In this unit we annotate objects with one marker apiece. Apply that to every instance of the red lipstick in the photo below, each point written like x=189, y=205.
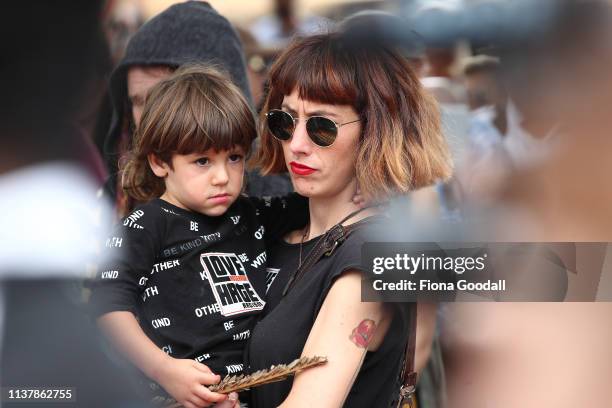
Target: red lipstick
x=300, y=169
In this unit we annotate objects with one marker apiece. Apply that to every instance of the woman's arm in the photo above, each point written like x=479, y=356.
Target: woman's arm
x=344, y=330
x=426, y=328
x=181, y=378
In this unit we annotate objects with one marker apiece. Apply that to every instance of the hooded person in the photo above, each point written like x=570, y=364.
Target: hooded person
x=190, y=32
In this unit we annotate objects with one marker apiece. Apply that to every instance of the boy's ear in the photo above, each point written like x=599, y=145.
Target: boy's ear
x=158, y=166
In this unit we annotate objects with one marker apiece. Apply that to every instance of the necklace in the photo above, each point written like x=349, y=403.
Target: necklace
x=306, y=231
x=324, y=246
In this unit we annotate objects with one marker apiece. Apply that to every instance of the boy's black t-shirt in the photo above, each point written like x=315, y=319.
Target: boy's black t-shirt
x=195, y=282
x=279, y=337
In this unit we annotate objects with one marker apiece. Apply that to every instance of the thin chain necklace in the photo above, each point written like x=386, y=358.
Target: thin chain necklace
x=306, y=231
x=337, y=234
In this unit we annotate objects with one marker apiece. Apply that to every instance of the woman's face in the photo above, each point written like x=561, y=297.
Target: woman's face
x=321, y=172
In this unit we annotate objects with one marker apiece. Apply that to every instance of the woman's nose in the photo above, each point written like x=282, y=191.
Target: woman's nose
x=300, y=142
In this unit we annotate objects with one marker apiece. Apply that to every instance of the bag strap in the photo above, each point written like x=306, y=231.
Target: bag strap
x=409, y=375
x=326, y=245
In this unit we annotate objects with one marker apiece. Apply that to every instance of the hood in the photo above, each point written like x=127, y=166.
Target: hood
x=184, y=33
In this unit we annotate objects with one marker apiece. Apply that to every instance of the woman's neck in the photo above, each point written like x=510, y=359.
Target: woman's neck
x=327, y=212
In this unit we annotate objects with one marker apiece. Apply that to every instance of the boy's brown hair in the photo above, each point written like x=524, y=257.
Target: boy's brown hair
x=401, y=147
x=197, y=108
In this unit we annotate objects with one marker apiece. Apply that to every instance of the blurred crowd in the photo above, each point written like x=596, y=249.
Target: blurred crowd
x=524, y=89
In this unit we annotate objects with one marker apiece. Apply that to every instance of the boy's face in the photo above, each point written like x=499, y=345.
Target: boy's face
x=207, y=183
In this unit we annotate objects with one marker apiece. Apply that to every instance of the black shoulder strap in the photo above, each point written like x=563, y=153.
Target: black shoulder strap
x=409, y=375
x=326, y=245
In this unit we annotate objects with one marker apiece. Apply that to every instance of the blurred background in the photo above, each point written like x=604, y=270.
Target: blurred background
x=524, y=88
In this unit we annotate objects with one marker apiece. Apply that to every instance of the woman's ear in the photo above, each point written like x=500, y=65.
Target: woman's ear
x=159, y=167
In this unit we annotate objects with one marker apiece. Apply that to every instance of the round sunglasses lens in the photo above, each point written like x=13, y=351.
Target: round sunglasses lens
x=321, y=130
x=280, y=124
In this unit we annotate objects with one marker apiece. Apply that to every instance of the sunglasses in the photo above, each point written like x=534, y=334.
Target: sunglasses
x=321, y=130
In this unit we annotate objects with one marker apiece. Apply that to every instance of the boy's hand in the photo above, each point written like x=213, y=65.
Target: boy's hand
x=186, y=380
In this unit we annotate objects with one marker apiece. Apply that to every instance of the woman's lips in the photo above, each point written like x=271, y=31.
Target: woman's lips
x=220, y=198
x=300, y=169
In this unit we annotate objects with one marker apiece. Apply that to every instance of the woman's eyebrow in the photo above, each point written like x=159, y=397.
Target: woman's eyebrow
x=318, y=112
x=286, y=107
x=322, y=112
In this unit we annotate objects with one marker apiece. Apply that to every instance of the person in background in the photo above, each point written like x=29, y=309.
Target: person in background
x=483, y=82
x=276, y=30
x=558, y=190
x=375, y=26
x=488, y=102
x=439, y=73
x=487, y=99
x=121, y=20
x=258, y=60
x=187, y=32
x=438, y=78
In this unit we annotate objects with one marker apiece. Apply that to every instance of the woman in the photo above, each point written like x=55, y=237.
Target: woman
x=340, y=116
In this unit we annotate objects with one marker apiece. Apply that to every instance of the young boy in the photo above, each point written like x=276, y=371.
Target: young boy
x=188, y=270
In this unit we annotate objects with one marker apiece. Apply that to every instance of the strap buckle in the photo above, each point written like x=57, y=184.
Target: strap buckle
x=407, y=390
x=407, y=397
x=336, y=233
x=331, y=250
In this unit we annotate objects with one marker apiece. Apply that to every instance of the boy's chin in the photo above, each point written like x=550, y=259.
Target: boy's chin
x=217, y=210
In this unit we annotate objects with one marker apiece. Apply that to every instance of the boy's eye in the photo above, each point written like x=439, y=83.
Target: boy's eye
x=202, y=161
x=235, y=158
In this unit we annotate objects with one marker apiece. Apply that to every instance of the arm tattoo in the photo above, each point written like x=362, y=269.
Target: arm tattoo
x=363, y=333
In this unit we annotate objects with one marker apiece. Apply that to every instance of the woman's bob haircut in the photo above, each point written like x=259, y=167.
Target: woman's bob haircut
x=401, y=147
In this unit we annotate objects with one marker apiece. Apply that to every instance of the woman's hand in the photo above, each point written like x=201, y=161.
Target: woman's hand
x=231, y=402
x=186, y=380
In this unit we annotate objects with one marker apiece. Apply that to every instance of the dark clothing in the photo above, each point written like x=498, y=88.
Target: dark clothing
x=280, y=336
x=195, y=282
x=270, y=185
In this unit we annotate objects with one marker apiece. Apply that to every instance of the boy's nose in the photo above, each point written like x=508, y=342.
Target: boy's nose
x=220, y=176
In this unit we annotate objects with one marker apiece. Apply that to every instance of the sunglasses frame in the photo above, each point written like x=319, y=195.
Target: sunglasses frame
x=296, y=120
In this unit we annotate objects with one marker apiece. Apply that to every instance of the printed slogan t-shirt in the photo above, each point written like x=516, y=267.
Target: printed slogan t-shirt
x=279, y=337
x=195, y=282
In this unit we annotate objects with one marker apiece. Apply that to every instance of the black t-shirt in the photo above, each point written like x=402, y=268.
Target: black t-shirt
x=279, y=337
x=195, y=282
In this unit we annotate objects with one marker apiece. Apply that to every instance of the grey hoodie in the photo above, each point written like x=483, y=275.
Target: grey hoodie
x=186, y=32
